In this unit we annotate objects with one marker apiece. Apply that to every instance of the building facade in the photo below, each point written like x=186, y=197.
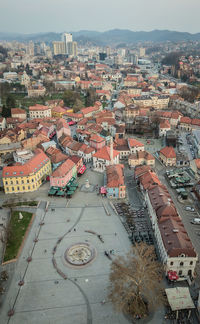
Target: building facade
x=27, y=177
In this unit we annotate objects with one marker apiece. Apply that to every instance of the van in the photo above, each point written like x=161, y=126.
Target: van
x=196, y=221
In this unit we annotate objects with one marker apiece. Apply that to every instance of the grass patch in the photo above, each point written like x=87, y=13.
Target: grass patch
x=16, y=231
x=21, y=203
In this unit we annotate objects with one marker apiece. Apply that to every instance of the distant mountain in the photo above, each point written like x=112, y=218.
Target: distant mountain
x=110, y=37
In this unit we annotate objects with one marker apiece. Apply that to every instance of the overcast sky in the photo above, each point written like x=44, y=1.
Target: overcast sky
x=32, y=16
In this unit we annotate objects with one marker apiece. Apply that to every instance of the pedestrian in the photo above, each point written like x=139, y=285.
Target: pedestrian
x=74, y=230
x=115, y=234
x=45, y=251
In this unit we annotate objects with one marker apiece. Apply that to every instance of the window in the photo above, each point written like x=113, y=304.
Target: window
x=22, y=181
x=29, y=187
x=191, y=262
x=27, y=180
x=17, y=182
x=13, y=188
x=11, y=182
x=23, y=188
x=180, y=272
x=181, y=264
x=32, y=180
x=17, y=188
x=6, y=182
x=171, y=263
x=7, y=189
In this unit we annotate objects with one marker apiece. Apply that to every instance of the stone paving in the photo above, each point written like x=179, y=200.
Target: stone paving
x=45, y=296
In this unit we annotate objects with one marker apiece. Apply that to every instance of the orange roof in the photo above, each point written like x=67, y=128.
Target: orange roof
x=97, y=138
x=63, y=169
x=32, y=166
x=168, y=152
x=17, y=111
x=104, y=153
x=38, y=107
x=115, y=176
x=196, y=121
x=165, y=124
x=59, y=109
x=197, y=162
x=133, y=142
x=88, y=110
x=185, y=120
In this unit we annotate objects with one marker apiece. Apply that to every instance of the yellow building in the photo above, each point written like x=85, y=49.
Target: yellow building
x=29, y=176
x=58, y=111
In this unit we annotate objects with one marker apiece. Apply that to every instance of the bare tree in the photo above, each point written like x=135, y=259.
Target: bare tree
x=135, y=281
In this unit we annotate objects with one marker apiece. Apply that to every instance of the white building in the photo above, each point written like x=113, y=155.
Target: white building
x=104, y=157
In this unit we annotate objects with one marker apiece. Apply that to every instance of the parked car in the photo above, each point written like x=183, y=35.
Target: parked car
x=189, y=208
x=71, y=123
x=195, y=221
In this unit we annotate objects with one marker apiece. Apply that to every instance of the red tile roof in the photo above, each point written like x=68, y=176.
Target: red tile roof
x=32, y=166
x=168, y=152
x=104, y=153
x=96, y=138
x=165, y=124
x=63, y=169
x=38, y=107
x=185, y=120
x=133, y=142
x=115, y=176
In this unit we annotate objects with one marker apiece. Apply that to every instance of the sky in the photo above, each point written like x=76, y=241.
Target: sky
x=33, y=16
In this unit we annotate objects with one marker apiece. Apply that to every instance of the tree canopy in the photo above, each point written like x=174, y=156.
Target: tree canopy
x=135, y=278
x=70, y=97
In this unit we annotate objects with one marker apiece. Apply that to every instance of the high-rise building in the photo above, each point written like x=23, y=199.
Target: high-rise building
x=30, y=48
x=59, y=48
x=66, y=38
x=142, y=52
x=72, y=48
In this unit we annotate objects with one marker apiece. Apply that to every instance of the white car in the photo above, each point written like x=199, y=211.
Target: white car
x=189, y=208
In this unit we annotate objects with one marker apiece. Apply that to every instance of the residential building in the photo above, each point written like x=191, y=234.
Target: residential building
x=141, y=157
x=59, y=48
x=36, y=91
x=115, y=185
x=62, y=127
x=39, y=111
x=168, y=156
x=63, y=174
x=28, y=176
x=97, y=142
x=18, y=113
x=2, y=123
x=164, y=127
x=58, y=111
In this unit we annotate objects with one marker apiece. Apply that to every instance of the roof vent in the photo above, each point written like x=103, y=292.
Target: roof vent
x=169, y=242
x=175, y=230
x=167, y=234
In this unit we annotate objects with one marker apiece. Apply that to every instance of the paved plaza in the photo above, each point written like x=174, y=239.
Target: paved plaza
x=46, y=297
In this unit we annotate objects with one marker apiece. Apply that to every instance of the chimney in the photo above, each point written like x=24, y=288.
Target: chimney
x=111, y=150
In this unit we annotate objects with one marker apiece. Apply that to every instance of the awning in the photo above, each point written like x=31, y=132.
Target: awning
x=82, y=169
x=70, y=192
x=172, y=275
x=179, y=298
x=103, y=190
x=52, y=191
x=60, y=193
